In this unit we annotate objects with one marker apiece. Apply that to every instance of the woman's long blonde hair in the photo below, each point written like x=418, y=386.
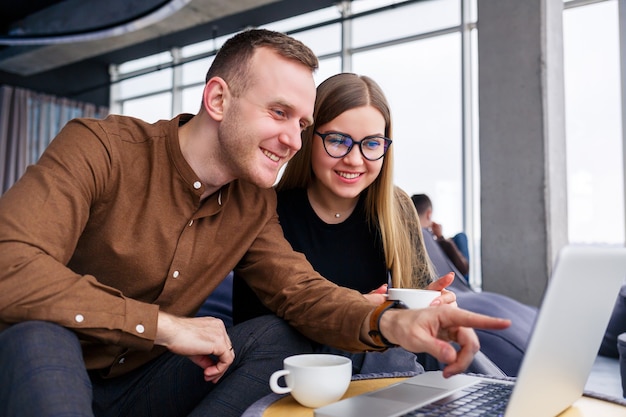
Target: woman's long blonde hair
x=387, y=207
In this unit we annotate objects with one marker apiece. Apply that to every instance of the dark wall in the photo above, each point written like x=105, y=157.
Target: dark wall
x=84, y=81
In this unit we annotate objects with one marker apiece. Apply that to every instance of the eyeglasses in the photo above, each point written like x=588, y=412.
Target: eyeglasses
x=338, y=145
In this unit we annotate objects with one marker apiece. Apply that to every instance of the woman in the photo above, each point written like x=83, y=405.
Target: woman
x=337, y=204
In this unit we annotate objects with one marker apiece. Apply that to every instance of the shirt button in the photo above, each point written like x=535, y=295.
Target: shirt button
x=197, y=185
x=140, y=329
x=190, y=222
x=176, y=274
x=79, y=318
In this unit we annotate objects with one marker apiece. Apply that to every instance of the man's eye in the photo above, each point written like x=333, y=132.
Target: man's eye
x=280, y=113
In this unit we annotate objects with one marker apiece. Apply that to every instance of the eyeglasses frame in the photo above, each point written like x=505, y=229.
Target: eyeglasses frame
x=323, y=136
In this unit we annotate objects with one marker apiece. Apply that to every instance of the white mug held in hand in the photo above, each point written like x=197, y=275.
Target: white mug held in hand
x=413, y=298
x=314, y=380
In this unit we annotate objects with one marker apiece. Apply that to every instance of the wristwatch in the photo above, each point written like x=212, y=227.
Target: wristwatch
x=374, y=332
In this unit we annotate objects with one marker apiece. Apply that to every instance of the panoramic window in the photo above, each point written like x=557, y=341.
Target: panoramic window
x=593, y=124
x=418, y=52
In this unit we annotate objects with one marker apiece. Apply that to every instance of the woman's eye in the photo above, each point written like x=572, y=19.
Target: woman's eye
x=336, y=140
x=372, y=143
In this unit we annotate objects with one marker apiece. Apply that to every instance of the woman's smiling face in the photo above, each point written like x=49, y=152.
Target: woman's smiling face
x=347, y=177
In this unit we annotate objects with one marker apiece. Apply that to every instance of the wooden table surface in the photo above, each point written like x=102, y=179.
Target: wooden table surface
x=584, y=407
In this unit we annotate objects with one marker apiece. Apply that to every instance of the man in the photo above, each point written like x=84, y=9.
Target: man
x=111, y=243
x=452, y=247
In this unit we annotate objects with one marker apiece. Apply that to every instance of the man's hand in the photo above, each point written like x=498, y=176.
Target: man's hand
x=203, y=339
x=437, y=230
x=431, y=329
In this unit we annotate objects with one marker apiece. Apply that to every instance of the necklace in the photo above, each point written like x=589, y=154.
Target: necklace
x=329, y=215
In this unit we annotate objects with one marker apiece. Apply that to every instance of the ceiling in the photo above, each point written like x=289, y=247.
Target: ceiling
x=38, y=36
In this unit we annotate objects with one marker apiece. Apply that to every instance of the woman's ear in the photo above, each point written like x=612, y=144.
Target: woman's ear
x=215, y=98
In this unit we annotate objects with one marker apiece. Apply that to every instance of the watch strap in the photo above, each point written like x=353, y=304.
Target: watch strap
x=375, y=332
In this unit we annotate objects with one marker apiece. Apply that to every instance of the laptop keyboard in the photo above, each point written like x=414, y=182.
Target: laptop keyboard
x=484, y=399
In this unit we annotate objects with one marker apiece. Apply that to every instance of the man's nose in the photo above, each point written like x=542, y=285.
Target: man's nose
x=292, y=137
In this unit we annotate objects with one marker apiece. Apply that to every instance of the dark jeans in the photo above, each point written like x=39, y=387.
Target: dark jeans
x=395, y=360
x=42, y=374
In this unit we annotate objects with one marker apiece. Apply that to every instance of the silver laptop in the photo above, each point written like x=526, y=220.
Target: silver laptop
x=575, y=311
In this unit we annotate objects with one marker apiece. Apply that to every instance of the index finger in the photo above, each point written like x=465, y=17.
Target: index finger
x=465, y=318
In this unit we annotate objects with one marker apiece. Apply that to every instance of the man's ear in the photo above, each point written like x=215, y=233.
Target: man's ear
x=215, y=98
x=429, y=214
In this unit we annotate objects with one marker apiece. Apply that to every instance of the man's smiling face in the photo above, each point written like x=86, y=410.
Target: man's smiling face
x=261, y=128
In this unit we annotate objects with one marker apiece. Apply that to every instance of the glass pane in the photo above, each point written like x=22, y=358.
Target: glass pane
x=192, y=99
x=359, y=6
x=204, y=46
x=593, y=124
x=405, y=21
x=141, y=63
x=145, y=84
x=151, y=108
x=328, y=67
x=195, y=71
x=303, y=20
x=422, y=81
x=323, y=40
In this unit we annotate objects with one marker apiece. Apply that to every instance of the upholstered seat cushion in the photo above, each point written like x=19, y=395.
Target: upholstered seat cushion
x=504, y=347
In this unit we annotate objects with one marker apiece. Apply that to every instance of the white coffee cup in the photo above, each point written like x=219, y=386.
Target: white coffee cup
x=413, y=298
x=314, y=380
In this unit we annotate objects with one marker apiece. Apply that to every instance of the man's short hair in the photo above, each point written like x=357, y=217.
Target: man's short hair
x=232, y=60
x=422, y=203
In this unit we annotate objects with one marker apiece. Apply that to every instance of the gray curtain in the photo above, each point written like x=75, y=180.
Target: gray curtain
x=28, y=122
